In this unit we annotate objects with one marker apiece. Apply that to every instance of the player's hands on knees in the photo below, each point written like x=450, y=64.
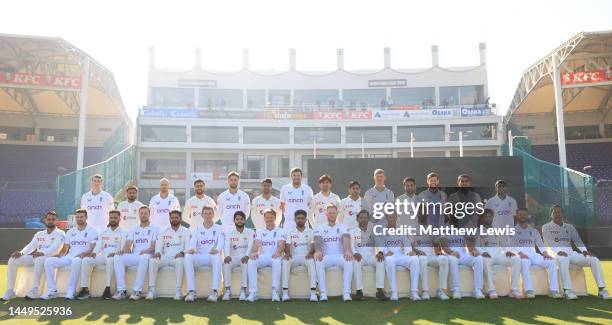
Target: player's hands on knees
x=485, y=254
x=523, y=255
x=510, y=254
x=562, y=253
x=309, y=256
x=213, y=251
x=227, y=260
x=348, y=256
x=587, y=253
x=455, y=254
x=287, y=256
x=254, y=256
x=318, y=256
x=37, y=254
x=17, y=254
x=546, y=256
x=157, y=255
x=244, y=259
x=190, y=251
x=276, y=255
x=357, y=257
x=111, y=255
x=389, y=253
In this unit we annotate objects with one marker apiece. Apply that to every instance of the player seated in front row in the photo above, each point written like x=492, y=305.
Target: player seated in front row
x=332, y=244
x=267, y=251
x=525, y=243
x=44, y=244
x=427, y=248
x=139, y=247
x=110, y=241
x=398, y=252
x=79, y=243
x=364, y=254
x=204, y=249
x=299, y=252
x=238, y=245
x=170, y=249
x=494, y=251
x=461, y=250
x=559, y=237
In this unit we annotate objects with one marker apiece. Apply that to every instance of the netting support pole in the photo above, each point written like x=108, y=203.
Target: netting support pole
x=82, y=124
x=560, y=125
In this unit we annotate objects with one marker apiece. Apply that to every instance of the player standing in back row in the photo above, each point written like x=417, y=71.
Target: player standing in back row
x=193, y=207
x=379, y=193
x=161, y=205
x=263, y=202
x=351, y=205
x=129, y=209
x=293, y=197
x=321, y=200
x=231, y=200
x=97, y=203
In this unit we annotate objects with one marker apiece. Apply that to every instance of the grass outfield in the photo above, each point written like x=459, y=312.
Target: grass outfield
x=542, y=310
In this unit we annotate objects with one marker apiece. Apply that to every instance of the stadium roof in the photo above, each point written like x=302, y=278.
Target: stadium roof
x=585, y=69
x=44, y=76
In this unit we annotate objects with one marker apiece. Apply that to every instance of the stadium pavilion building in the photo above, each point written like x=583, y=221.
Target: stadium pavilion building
x=202, y=124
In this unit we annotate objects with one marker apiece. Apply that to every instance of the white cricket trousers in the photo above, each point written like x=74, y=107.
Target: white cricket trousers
x=580, y=260
x=53, y=263
x=513, y=262
x=475, y=262
x=439, y=261
x=192, y=261
x=295, y=261
x=407, y=261
x=127, y=260
x=368, y=260
x=25, y=260
x=339, y=261
x=89, y=263
x=227, y=272
x=156, y=263
x=261, y=262
x=549, y=265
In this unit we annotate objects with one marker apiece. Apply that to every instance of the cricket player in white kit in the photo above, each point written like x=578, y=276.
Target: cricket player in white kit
x=207, y=241
x=398, y=252
x=462, y=251
x=129, y=209
x=238, y=246
x=79, y=243
x=494, y=250
x=44, y=244
x=299, y=252
x=193, y=207
x=170, y=248
x=293, y=197
x=332, y=244
x=427, y=248
x=365, y=254
x=268, y=250
x=263, y=202
x=110, y=241
x=321, y=200
x=97, y=203
x=350, y=205
x=231, y=200
x=503, y=206
x=559, y=236
x=161, y=204
x=139, y=246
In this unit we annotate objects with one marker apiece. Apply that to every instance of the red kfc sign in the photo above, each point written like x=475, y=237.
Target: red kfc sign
x=586, y=77
x=359, y=115
x=40, y=80
x=329, y=115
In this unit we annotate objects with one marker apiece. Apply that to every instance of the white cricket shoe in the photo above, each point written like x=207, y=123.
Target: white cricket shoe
x=242, y=296
x=252, y=297
x=570, y=295
x=69, y=295
x=603, y=293
x=8, y=295
x=442, y=295
x=120, y=294
x=213, y=297
x=275, y=297
x=136, y=295
x=191, y=296
x=394, y=296
x=227, y=295
x=32, y=294
x=415, y=296
x=313, y=297
x=529, y=294
x=286, y=295
x=478, y=295
x=555, y=295
x=49, y=295
x=346, y=297
x=425, y=295
x=178, y=295
x=515, y=294
x=493, y=295
x=456, y=294
x=323, y=297
x=151, y=295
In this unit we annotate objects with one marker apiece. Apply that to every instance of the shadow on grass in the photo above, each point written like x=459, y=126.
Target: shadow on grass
x=543, y=310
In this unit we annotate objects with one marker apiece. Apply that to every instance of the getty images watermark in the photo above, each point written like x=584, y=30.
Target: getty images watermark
x=458, y=210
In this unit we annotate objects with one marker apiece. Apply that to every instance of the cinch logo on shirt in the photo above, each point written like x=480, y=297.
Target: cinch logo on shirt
x=232, y=206
x=300, y=200
x=330, y=239
x=503, y=212
x=525, y=241
x=455, y=241
x=394, y=242
x=268, y=243
x=78, y=243
x=207, y=241
x=141, y=241
x=94, y=207
x=163, y=210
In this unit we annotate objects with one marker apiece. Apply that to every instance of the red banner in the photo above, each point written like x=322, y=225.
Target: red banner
x=586, y=77
x=40, y=80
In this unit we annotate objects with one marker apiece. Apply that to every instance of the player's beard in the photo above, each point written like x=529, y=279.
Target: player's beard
x=175, y=224
x=240, y=227
x=50, y=226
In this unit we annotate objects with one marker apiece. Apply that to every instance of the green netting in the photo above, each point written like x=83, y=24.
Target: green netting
x=117, y=172
x=116, y=142
x=547, y=184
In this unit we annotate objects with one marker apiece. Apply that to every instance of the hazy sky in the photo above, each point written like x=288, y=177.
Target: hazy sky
x=117, y=34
